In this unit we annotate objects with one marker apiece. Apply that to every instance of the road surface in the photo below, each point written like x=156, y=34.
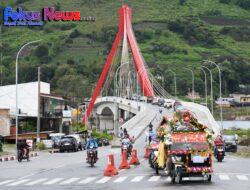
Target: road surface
x=69, y=171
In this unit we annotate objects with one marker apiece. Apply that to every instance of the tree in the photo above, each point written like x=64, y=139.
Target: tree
x=182, y=2
x=42, y=53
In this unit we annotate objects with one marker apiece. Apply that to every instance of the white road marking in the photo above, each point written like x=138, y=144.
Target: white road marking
x=168, y=179
x=104, y=180
x=154, y=178
x=137, y=178
x=87, y=180
x=224, y=177
x=120, y=179
x=242, y=177
x=70, y=180
x=36, y=181
x=53, y=181
x=18, y=182
x=6, y=181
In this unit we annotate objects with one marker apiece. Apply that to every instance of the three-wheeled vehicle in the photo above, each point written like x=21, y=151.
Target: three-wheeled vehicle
x=190, y=155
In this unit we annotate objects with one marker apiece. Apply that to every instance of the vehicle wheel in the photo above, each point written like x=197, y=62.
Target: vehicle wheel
x=19, y=159
x=156, y=169
x=92, y=162
x=219, y=159
x=179, y=176
x=209, y=177
x=173, y=178
x=150, y=160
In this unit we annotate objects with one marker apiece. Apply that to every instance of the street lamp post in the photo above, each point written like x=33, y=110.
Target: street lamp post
x=192, y=72
x=205, y=82
x=17, y=56
x=211, y=88
x=175, y=85
x=221, y=117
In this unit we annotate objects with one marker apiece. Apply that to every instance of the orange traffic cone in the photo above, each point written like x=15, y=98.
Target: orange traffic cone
x=134, y=160
x=110, y=169
x=124, y=163
x=146, y=155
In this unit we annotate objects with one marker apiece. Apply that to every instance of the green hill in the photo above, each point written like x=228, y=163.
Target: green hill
x=171, y=34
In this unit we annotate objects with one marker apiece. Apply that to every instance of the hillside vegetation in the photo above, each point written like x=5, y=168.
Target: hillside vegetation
x=171, y=34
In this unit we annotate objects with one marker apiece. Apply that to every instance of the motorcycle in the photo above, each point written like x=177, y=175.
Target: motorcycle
x=92, y=157
x=22, y=155
x=153, y=156
x=127, y=148
x=220, y=153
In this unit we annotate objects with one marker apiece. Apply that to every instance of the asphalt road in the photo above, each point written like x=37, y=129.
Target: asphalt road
x=69, y=171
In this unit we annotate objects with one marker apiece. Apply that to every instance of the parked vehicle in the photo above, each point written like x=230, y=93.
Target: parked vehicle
x=230, y=142
x=56, y=137
x=80, y=141
x=150, y=99
x=168, y=104
x=68, y=143
x=143, y=99
x=103, y=142
x=161, y=102
x=155, y=101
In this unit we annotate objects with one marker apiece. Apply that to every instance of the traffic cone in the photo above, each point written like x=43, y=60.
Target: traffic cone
x=146, y=155
x=110, y=169
x=134, y=160
x=124, y=163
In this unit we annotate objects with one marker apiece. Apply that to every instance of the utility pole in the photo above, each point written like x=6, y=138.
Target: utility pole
x=38, y=107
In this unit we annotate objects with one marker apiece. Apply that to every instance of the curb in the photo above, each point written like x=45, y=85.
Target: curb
x=53, y=151
x=11, y=158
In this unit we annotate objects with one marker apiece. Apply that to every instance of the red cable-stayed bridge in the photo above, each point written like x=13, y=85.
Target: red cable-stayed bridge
x=126, y=74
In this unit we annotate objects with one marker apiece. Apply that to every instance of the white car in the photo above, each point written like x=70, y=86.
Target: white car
x=169, y=103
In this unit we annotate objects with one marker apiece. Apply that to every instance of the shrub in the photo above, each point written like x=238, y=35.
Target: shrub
x=67, y=26
x=213, y=13
x=237, y=33
x=75, y=33
x=40, y=146
x=225, y=1
x=182, y=2
x=142, y=35
x=103, y=134
x=192, y=32
x=245, y=4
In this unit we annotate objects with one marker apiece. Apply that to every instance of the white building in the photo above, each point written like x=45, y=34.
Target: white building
x=51, y=110
x=27, y=97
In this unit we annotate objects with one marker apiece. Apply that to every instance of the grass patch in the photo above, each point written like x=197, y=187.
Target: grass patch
x=243, y=152
x=231, y=113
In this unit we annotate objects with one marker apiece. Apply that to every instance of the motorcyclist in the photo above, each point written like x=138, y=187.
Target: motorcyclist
x=151, y=134
x=127, y=141
x=218, y=142
x=24, y=147
x=92, y=145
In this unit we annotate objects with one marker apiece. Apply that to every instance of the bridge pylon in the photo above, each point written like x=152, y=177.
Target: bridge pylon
x=126, y=33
